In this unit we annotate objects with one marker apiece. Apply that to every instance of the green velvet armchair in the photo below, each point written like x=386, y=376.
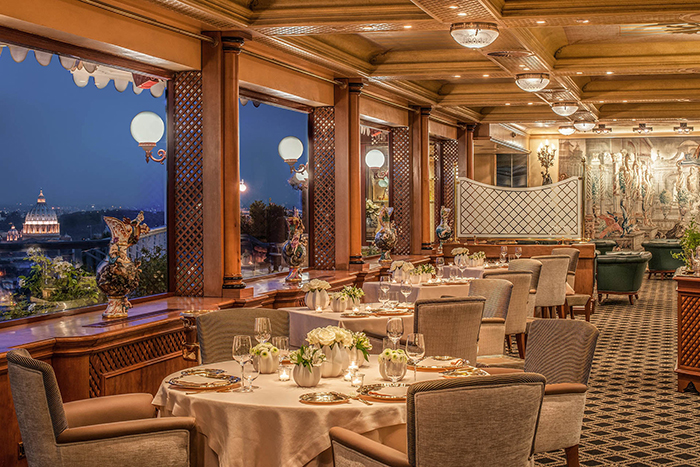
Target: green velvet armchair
x=621, y=273
x=661, y=260
x=604, y=245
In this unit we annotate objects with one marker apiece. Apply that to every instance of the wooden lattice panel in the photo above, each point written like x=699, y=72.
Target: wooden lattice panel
x=689, y=332
x=187, y=154
x=323, y=160
x=450, y=151
x=400, y=151
x=130, y=355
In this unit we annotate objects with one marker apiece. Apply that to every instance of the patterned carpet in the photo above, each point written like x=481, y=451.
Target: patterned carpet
x=634, y=415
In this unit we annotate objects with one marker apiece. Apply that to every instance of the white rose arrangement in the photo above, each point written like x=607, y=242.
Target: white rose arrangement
x=352, y=292
x=460, y=251
x=427, y=269
x=307, y=357
x=314, y=285
x=396, y=265
x=265, y=350
x=396, y=356
x=330, y=335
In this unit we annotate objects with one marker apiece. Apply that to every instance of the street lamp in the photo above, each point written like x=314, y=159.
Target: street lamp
x=147, y=128
x=290, y=150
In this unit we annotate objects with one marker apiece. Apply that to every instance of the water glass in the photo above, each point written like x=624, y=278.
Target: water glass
x=518, y=252
x=453, y=273
x=394, y=370
x=415, y=350
x=393, y=301
x=383, y=297
x=439, y=272
x=242, y=348
x=282, y=344
x=250, y=373
x=394, y=330
x=406, y=290
x=504, y=254
x=263, y=329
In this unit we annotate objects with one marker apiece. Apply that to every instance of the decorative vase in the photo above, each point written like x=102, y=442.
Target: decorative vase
x=426, y=276
x=294, y=249
x=336, y=360
x=266, y=365
x=339, y=304
x=385, y=238
x=357, y=356
x=353, y=303
x=305, y=378
x=117, y=276
x=415, y=279
x=443, y=232
x=382, y=369
x=316, y=299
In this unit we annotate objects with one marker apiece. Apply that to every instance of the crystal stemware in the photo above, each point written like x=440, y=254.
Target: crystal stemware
x=282, y=344
x=406, y=290
x=383, y=298
x=252, y=371
x=394, y=330
x=394, y=370
x=384, y=283
x=504, y=254
x=439, y=273
x=242, y=353
x=518, y=252
x=263, y=329
x=415, y=349
x=393, y=301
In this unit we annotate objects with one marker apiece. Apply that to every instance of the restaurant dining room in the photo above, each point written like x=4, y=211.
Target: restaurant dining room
x=403, y=233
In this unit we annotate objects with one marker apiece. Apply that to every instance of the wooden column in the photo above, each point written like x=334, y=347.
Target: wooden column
x=233, y=285
x=425, y=227
x=420, y=183
x=468, y=151
x=357, y=221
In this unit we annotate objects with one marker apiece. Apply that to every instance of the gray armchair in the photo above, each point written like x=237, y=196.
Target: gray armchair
x=516, y=321
x=493, y=324
x=535, y=268
x=450, y=326
x=477, y=422
x=576, y=300
x=215, y=330
x=111, y=431
x=551, y=289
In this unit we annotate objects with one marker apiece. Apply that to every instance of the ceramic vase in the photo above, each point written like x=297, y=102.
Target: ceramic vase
x=339, y=304
x=415, y=279
x=336, y=361
x=266, y=365
x=443, y=232
x=385, y=238
x=305, y=378
x=382, y=369
x=294, y=249
x=117, y=276
x=316, y=299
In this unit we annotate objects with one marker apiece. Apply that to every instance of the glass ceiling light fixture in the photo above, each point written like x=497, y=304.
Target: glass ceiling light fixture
x=567, y=130
x=602, y=130
x=684, y=129
x=242, y=186
x=565, y=108
x=474, y=35
x=643, y=129
x=290, y=150
x=584, y=126
x=147, y=128
x=532, y=82
x=375, y=160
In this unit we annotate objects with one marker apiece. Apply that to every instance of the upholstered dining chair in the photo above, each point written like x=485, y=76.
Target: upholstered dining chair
x=477, y=422
x=516, y=321
x=493, y=323
x=110, y=431
x=450, y=326
x=535, y=268
x=216, y=329
x=575, y=300
x=551, y=288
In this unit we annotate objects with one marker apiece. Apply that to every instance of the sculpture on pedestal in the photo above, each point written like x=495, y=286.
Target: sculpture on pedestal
x=443, y=232
x=294, y=249
x=385, y=238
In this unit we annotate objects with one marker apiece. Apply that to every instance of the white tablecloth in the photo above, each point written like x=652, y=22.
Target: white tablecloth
x=476, y=273
x=302, y=320
x=270, y=427
x=418, y=292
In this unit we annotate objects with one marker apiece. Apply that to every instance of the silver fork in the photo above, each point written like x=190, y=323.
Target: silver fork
x=357, y=398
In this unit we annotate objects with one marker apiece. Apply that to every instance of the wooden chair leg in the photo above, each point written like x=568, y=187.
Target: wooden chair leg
x=521, y=340
x=561, y=312
x=572, y=456
x=508, y=344
x=600, y=298
x=631, y=297
x=587, y=310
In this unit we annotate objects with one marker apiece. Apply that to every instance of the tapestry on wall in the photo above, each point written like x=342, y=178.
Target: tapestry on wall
x=646, y=187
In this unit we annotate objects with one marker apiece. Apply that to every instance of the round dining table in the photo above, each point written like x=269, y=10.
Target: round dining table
x=271, y=427
x=418, y=291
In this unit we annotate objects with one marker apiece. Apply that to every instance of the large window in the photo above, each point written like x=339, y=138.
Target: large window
x=374, y=148
x=511, y=170
x=269, y=191
x=69, y=160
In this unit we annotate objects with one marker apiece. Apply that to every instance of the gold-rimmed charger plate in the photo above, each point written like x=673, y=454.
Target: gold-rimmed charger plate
x=440, y=363
x=352, y=314
x=463, y=372
x=394, y=313
x=323, y=398
x=203, y=381
x=374, y=392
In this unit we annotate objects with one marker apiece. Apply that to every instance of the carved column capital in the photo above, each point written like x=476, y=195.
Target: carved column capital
x=232, y=44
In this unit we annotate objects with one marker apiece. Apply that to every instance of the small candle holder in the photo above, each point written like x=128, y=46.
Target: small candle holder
x=350, y=373
x=284, y=372
x=319, y=309
x=358, y=380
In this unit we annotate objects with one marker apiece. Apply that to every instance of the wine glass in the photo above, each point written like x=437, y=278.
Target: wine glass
x=453, y=273
x=384, y=283
x=518, y=252
x=263, y=330
x=439, y=261
x=282, y=344
x=394, y=370
x=504, y=254
x=439, y=273
x=383, y=297
x=406, y=290
x=393, y=301
x=242, y=347
x=252, y=371
x=415, y=349
x=462, y=265
x=394, y=330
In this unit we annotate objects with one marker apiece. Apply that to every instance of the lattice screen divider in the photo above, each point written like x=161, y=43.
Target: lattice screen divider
x=323, y=131
x=450, y=154
x=400, y=150
x=187, y=154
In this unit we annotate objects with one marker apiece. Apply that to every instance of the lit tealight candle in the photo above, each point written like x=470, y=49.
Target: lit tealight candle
x=355, y=309
x=348, y=375
x=319, y=309
x=357, y=380
x=283, y=373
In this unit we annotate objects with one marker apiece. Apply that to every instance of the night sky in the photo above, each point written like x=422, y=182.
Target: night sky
x=75, y=144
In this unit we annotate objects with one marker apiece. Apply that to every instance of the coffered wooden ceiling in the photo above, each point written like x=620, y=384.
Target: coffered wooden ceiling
x=619, y=59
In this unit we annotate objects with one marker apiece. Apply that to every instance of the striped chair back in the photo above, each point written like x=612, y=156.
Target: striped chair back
x=551, y=289
x=573, y=254
x=497, y=293
x=525, y=264
x=516, y=321
x=561, y=350
x=215, y=330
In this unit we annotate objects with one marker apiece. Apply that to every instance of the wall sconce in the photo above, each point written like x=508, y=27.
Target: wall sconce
x=242, y=186
x=374, y=159
x=290, y=150
x=147, y=128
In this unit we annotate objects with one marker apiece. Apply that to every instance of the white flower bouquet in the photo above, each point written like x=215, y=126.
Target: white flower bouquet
x=360, y=346
x=307, y=357
x=460, y=251
x=265, y=350
x=396, y=265
x=397, y=356
x=266, y=357
x=314, y=285
x=396, y=360
x=352, y=292
x=329, y=336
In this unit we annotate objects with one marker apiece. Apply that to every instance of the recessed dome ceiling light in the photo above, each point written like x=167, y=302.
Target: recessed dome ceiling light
x=567, y=130
x=584, y=126
x=565, y=108
x=532, y=82
x=474, y=35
